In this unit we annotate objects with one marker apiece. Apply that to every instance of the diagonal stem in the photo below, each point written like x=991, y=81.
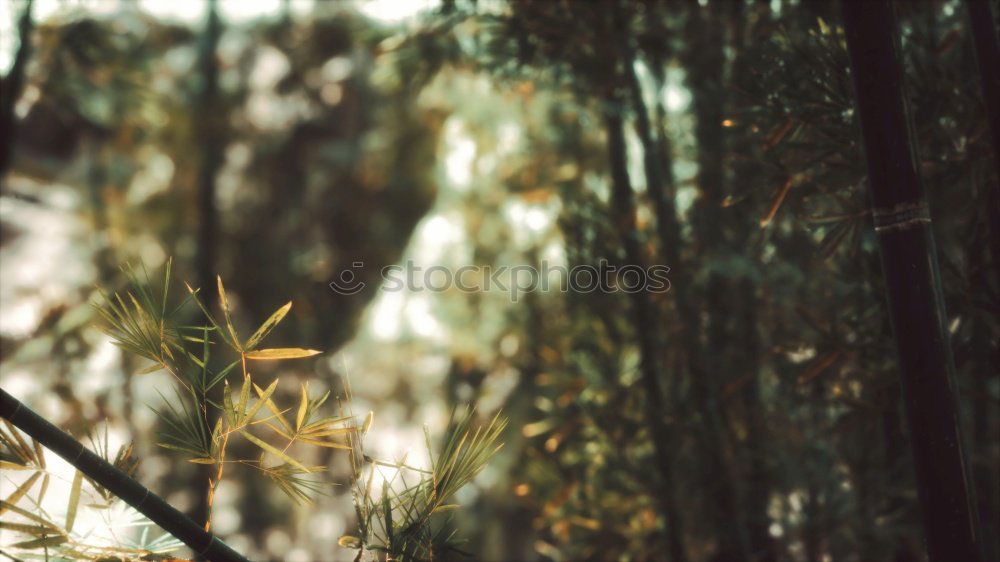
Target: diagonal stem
x=117, y=482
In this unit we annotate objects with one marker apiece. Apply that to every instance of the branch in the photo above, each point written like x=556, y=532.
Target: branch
x=117, y=482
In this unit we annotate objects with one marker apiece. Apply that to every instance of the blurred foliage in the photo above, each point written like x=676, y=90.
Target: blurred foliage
x=477, y=133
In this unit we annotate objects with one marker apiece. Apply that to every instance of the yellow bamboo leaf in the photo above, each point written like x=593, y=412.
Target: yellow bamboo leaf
x=347, y=541
x=319, y=443
x=150, y=369
x=21, y=490
x=202, y=461
x=263, y=399
x=274, y=410
x=327, y=432
x=225, y=312
x=267, y=326
x=274, y=451
x=281, y=353
x=74, y=500
x=303, y=406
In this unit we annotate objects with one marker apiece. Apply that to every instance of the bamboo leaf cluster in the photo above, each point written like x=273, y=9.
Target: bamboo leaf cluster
x=141, y=321
x=60, y=535
x=409, y=517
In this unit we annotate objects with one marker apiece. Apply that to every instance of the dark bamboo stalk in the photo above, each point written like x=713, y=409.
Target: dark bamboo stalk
x=13, y=84
x=208, y=127
x=645, y=314
x=708, y=356
x=916, y=306
x=116, y=481
x=666, y=220
x=987, y=46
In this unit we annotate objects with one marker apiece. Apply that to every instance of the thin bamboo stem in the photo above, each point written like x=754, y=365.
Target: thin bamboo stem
x=117, y=482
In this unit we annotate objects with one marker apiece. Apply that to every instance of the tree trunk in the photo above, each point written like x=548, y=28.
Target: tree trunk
x=909, y=262
x=116, y=481
x=13, y=84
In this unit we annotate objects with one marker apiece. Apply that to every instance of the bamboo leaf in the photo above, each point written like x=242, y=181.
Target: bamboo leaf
x=226, y=316
x=281, y=353
x=347, y=541
x=44, y=488
x=150, y=369
x=262, y=399
x=274, y=451
x=193, y=292
x=274, y=410
x=41, y=543
x=202, y=461
x=39, y=455
x=329, y=444
x=74, y=500
x=267, y=326
x=35, y=530
x=303, y=406
x=29, y=515
x=21, y=490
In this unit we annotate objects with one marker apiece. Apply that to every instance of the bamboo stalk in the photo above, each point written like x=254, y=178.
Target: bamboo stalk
x=117, y=482
x=987, y=47
x=909, y=263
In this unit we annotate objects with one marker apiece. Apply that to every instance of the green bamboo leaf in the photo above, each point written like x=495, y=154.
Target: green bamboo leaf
x=446, y=507
x=267, y=326
x=166, y=286
x=202, y=461
x=74, y=500
x=274, y=451
x=192, y=293
x=226, y=315
x=222, y=374
x=281, y=353
x=228, y=407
